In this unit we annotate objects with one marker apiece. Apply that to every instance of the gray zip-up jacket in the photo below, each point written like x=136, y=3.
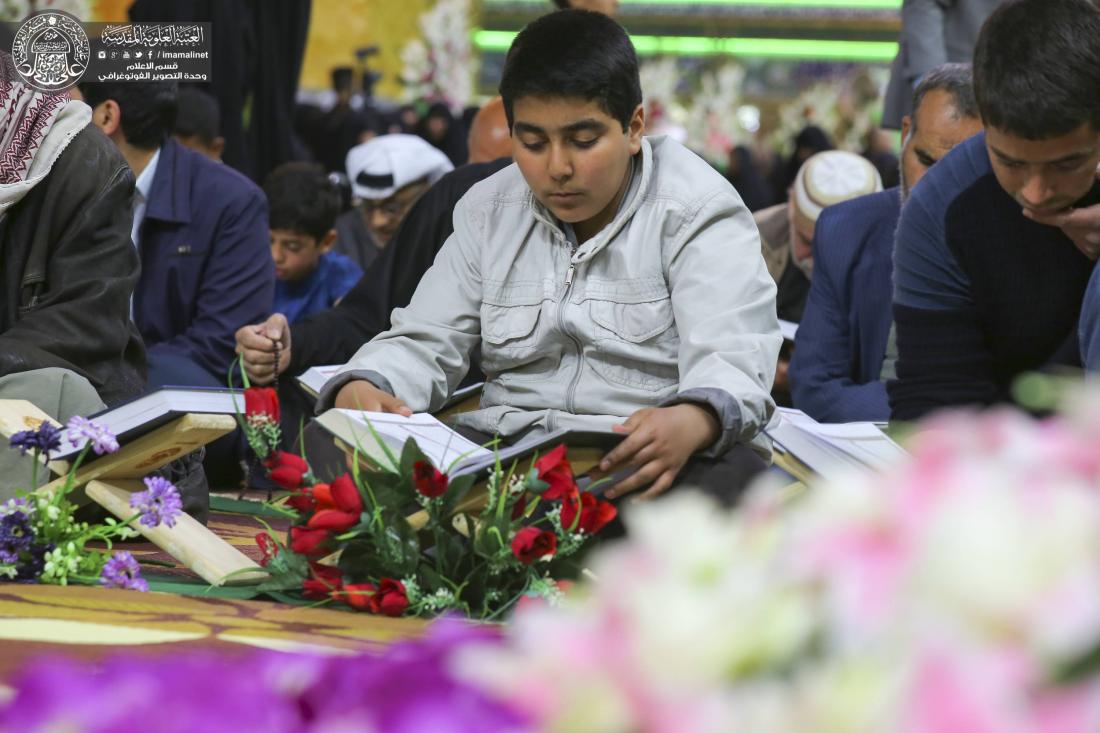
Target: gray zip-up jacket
x=671, y=302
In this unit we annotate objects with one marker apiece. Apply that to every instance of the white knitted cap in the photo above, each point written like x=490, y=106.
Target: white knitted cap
x=381, y=166
x=831, y=177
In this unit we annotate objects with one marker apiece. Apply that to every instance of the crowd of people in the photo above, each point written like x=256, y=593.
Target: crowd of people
x=590, y=275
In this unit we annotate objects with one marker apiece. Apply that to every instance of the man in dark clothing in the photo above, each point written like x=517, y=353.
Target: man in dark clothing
x=982, y=291
x=201, y=232
x=66, y=265
x=842, y=339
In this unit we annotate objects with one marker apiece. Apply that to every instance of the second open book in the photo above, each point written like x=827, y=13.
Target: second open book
x=448, y=450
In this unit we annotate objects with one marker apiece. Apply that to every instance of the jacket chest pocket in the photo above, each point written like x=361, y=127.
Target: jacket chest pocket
x=637, y=344
x=510, y=336
x=634, y=323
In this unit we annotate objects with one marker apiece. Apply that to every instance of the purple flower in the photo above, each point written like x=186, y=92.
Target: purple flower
x=18, y=504
x=44, y=440
x=82, y=430
x=16, y=536
x=122, y=571
x=34, y=562
x=161, y=503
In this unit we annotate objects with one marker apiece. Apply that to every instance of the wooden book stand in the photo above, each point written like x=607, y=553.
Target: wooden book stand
x=110, y=480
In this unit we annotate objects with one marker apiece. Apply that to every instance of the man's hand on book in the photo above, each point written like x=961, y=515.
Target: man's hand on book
x=256, y=345
x=364, y=396
x=659, y=441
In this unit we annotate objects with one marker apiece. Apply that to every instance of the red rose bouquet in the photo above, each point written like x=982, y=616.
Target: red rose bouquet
x=408, y=539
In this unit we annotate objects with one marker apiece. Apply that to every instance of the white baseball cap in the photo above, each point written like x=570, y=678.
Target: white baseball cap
x=831, y=177
x=382, y=166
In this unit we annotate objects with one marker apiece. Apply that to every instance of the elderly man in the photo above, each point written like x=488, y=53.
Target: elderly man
x=787, y=232
x=835, y=371
x=387, y=174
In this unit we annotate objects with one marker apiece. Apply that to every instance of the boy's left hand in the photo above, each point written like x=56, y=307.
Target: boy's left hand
x=659, y=441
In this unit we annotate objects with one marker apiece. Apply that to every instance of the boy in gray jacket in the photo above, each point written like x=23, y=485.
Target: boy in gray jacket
x=608, y=279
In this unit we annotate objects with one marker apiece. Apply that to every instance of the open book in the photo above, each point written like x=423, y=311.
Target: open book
x=449, y=451
x=829, y=449
x=146, y=413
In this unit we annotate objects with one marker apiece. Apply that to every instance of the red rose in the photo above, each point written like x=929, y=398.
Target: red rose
x=595, y=514
x=428, y=479
x=323, y=582
x=531, y=543
x=286, y=469
x=346, y=496
x=262, y=401
x=268, y=548
x=339, y=505
x=307, y=541
x=390, y=599
x=358, y=596
x=555, y=470
x=302, y=501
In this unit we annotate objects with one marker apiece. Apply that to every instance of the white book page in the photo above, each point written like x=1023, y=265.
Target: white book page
x=831, y=448
x=314, y=378
x=437, y=441
x=788, y=329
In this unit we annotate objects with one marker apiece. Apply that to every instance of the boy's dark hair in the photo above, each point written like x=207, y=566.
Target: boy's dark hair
x=562, y=4
x=1037, y=67
x=197, y=115
x=957, y=81
x=573, y=53
x=300, y=198
x=148, y=108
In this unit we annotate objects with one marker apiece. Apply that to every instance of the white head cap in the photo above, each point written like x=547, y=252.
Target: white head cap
x=831, y=177
x=380, y=167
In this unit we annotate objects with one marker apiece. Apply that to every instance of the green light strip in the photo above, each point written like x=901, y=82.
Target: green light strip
x=775, y=48
x=840, y=4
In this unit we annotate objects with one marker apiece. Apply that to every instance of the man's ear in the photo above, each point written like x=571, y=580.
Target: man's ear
x=107, y=116
x=906, y=123
x=218, y=147
x=327, y=242
x=636, y=129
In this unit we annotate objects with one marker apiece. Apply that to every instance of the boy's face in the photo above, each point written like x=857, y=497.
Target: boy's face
x=296, y=254
x=1045, y=176
x=573, y=155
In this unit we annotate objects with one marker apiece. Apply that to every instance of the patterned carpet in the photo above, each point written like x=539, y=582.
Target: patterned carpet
x=94, y=622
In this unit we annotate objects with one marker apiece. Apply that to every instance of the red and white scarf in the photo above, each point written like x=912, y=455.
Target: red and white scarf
x=35, y=128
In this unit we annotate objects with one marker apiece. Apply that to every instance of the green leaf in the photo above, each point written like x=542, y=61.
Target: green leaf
x=410, y=455
x=457, y=490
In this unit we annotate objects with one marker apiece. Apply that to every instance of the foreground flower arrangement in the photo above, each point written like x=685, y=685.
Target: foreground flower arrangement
x=40, y=537
x=959, y=591
x=353, y=542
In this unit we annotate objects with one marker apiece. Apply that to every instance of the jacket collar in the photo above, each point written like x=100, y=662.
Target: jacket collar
x=643, y=172
x=170, y=195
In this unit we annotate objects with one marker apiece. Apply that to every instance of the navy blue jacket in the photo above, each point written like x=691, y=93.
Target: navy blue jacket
x=841, y=340
x=206, y=267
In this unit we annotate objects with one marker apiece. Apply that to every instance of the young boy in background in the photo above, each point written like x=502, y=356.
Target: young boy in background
x=303, y=206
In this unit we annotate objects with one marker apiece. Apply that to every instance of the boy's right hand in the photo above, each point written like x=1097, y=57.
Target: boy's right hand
x=364, y=396
x=256, y=345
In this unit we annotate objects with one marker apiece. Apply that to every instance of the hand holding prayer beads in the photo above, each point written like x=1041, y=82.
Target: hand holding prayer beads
x=265, y=349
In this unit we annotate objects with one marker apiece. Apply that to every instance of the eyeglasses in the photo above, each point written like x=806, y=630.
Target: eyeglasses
x=395, y=206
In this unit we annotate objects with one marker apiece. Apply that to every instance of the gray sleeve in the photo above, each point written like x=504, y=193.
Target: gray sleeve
x=725, y=407
x=327, y=398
